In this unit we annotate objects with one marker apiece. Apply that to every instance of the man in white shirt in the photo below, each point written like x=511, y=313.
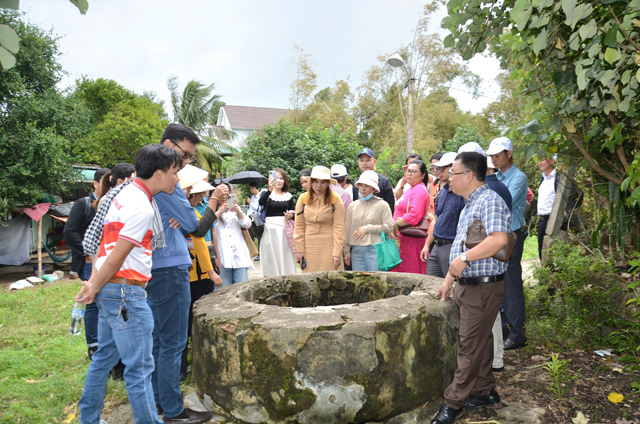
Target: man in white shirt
x=546, y=197
x=258, y=224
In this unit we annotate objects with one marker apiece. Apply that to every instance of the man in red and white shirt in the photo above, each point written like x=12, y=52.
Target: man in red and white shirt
x=117, y=283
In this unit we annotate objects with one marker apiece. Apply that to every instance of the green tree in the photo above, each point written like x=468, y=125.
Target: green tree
x=330, y=107
x=381, y=107
x=464, y=134
x=33, y=162
x=304, y=83
x=197, y=108
x=577, y=67
x=297, y=147
x=121, y=122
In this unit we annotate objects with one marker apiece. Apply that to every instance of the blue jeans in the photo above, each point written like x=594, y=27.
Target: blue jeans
x=232, y=275
x=169, y=299
x=364, y=258
x=90, y=313
x=130, y=340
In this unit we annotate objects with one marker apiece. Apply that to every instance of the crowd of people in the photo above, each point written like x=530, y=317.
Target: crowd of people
x=154, y=237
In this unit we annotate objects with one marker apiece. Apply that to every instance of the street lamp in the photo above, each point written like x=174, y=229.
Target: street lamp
x=395, y=61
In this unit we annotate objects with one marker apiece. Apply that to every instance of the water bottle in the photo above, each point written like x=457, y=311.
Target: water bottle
x=77, y=315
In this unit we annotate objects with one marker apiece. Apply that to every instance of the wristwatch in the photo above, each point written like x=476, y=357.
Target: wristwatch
x=465, y=259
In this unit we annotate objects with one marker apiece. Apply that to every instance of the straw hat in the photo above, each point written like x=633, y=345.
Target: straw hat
x=322, y=173
x=200, y=187
x=369, y=178
x=189, y=175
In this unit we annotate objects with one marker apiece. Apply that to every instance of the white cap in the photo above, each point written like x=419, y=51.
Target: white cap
x=369, y=178
x=338, y=171
x=490, y=163
x=472, y=146
x=447, y=159
x=189, y=175
x=201, y=186
x=498, y=145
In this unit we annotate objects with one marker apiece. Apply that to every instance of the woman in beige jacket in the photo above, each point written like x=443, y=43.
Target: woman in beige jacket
x=319, y=230
x=367, y=218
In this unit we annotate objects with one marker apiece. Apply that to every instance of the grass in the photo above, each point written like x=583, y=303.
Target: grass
x=530, y=250
x=42, y=367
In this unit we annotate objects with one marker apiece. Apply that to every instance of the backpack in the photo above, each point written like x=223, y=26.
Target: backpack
x=305, y=196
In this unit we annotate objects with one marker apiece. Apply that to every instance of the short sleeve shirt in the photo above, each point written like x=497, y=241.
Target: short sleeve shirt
x=486, y=205
x=129, y=218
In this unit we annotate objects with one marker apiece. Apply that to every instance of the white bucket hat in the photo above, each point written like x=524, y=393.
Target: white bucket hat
x=369, y=178
x=322, y=173
x=498, y=145
x=201, y=186
x=447, y=159
x=189, y=175
x=472, y=146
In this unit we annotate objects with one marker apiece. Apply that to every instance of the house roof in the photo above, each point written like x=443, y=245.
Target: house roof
x=253, y=118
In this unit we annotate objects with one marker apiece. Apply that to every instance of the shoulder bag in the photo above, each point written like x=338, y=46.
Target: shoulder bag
x=387, y=253
x=419, y=231
x=476, y=234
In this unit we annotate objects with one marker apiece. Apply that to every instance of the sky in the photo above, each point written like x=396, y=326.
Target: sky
x=245, y=47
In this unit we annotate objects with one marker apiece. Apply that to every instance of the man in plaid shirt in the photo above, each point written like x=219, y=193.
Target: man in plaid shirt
x=479, y=289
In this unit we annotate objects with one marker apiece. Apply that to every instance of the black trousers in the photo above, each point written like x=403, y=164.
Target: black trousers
x=513, y=302
x=542, y=229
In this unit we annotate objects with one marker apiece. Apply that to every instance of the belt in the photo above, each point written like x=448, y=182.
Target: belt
x=441, y=241
x=544, y=217
x=472, y=281
x=119, y=280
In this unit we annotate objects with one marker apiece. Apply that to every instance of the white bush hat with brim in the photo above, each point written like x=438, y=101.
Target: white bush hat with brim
x=498, y=145
x=490, y=163
x=322, y=173
x=447, y=159
x=472, y=146
x=369, y=178
x=189, y=175
x=201, y=186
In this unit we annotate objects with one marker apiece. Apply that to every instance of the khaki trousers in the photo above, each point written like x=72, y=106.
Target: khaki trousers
x=478, y=305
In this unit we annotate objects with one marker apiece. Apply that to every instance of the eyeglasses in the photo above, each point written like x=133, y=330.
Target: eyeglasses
x=412, y=171
x=458, y=173
x=439, y=169
x=185, y=155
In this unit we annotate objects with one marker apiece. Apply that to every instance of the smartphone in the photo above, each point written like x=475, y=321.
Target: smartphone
x=272, y=173
x=303, y=264
x=405, y=168
x=231, y=199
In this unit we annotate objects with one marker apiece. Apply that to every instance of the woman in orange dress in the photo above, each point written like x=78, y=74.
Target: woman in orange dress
x=319, y=229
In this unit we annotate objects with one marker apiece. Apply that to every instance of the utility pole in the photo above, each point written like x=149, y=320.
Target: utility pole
x=410, y=118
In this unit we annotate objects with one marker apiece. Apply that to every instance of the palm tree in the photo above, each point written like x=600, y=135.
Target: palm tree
x=195, y=107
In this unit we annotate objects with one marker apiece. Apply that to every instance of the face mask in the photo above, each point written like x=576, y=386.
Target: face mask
x=367, y=197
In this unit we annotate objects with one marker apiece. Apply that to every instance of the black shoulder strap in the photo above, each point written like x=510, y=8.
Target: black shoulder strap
x=198, y=269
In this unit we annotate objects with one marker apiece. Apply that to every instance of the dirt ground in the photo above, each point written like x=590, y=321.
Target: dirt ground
x=589, y=380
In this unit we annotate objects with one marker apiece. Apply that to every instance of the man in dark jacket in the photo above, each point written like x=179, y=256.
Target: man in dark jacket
x=80, y=217
x=367, y=162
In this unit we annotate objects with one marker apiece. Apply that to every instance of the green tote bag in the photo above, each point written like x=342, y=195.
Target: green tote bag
x=388, y=254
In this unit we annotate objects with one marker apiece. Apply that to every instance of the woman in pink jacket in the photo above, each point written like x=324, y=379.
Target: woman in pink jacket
x=410, y=209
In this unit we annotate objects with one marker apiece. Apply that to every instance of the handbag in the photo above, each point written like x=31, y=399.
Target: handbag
x=476, y=234
x=387, y=253
x=419, y=231
x=249, y=242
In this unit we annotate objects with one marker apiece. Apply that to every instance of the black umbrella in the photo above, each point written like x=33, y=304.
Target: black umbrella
x=246, y=177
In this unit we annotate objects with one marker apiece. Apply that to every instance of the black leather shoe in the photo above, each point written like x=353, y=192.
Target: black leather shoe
x=491, y=400
x=446, y=415
x=512, y=344
x=193, y=417
x=497, y=369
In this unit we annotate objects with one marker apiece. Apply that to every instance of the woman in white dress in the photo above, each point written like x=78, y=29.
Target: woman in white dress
x=276, y=256
x=235, y=256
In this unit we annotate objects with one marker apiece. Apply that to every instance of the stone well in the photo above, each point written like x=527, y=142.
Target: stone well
x=325, y=347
